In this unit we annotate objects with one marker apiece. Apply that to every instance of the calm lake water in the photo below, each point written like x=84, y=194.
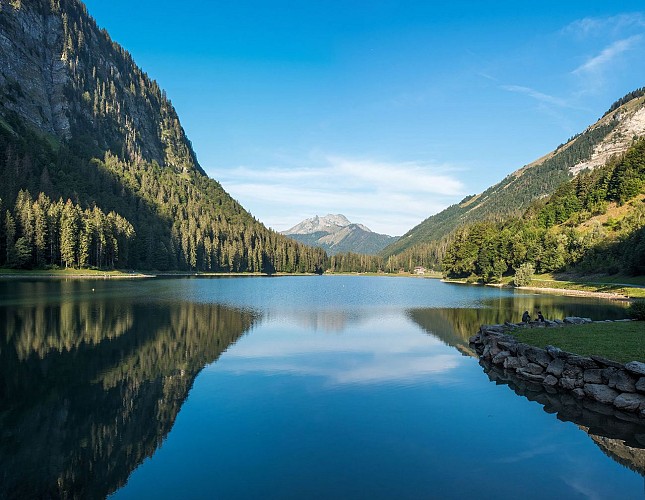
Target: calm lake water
x=288, y=387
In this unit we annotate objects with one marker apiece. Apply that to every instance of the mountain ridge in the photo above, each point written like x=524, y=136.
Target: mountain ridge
x=609, y=136
x=80, y=121
x=336, y=234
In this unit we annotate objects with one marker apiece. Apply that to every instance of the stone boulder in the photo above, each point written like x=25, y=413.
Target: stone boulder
x=538, y=356
x=556, y=367
x=622, y=381
x=636, y=368
x=630, y=402
x=499, y=358
x=574, y=320
x=601, y=393
x=640, y=385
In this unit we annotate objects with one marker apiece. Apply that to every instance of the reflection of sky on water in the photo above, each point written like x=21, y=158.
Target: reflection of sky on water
x=378, y=349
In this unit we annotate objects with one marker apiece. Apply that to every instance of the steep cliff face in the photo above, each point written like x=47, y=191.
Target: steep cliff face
x=65, y=77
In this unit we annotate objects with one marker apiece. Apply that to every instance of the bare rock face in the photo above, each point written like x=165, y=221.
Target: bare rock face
x=33, y=70
x=65, y=77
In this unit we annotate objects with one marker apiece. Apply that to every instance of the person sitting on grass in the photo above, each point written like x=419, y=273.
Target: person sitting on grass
x=540, y=318
x=525, y=317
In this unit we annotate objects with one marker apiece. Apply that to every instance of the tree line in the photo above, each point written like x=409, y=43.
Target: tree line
x=564, y=232
x=42, y=232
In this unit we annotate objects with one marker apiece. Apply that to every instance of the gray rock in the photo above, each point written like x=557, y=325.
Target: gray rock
x=640, y=385
x=523, y=361
x=533, y=377
x=592, y=376
x=499, y=358
x=636, y=368
x=511, y=363
x=622, y=381
x=570, y=383
x=509, y=344
x=538, y=356
x=555, y=367
x=630, y=402
x=601, y=393
x=574, y=320
x=550, y=380
x=605, y=362
x=572, y=371
x=581, y=361
x=534, y=368
x=554, y=352
x=578, y=393
x=558, y=321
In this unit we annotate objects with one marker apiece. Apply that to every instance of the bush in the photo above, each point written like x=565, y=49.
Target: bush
x=524, y=274
x=637, y=310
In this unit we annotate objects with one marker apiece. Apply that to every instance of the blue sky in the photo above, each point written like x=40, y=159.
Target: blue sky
x=386, y=112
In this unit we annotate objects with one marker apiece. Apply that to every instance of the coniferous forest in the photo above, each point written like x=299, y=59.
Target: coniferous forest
x=594, y=223
x=96, y=169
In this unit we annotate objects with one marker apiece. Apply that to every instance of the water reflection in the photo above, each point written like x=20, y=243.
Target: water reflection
x=620, y=435
x=377, y=349
x=455, y=326
x=90, y=388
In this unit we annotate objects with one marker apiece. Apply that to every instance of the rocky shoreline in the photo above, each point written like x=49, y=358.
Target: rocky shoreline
x=619, y=386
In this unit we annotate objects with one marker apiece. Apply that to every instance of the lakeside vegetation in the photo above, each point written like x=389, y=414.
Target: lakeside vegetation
x=593, y=224
x=618, y=341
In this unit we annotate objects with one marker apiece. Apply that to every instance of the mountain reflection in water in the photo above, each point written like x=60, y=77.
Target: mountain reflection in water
x=90, y=388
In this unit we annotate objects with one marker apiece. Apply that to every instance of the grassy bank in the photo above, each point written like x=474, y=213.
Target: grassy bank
x=620, y=342
x=67, y=273
x=631, y=287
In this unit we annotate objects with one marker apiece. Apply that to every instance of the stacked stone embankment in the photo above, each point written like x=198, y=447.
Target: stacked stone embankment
x=593, y=377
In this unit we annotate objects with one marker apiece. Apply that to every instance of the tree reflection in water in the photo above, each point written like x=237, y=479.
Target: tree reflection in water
x=90, y=388
x=619, y=435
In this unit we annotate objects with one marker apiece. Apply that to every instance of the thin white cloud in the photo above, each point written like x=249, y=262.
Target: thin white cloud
x=607, y=56
x=388, y=197
x=367, y=355
x=600, y=26
x=539, y=96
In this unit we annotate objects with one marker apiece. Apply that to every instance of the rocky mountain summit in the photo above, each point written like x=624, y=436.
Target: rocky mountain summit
x=336, y=234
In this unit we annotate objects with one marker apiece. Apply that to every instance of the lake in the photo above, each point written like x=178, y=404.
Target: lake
x=288, y=387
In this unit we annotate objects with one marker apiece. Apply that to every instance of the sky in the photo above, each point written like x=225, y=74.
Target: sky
x=384, y=111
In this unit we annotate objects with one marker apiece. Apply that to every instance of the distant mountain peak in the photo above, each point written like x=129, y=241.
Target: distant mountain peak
x=330, y=223
x=336, y=234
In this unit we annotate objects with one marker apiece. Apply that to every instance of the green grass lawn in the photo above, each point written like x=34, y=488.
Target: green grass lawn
x=619, y=285
x=62, y=272
x=621, y=342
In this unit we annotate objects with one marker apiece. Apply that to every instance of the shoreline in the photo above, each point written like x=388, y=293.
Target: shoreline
x=83, y=274
x=571, y=292
x=577, y=293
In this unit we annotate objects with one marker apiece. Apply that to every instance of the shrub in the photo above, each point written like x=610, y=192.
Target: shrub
x=637, y=310
x=524, y=274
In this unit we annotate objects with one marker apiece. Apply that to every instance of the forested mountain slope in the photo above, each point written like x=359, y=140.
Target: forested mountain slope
x=79, y=121
x=594, y=223
x=613, y=134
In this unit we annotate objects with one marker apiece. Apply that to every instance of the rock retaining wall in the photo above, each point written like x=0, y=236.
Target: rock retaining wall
x=594, y=377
